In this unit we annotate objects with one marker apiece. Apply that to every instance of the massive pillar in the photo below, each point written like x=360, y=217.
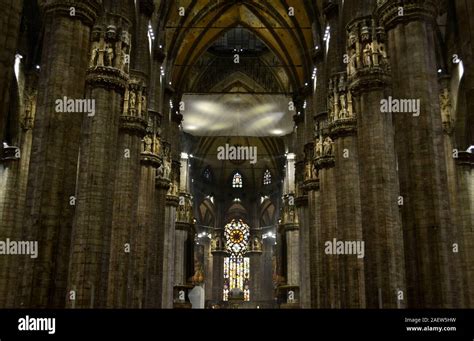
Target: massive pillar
x=53, y=165
x=107, y=80
x=14, y=164
x=10, y=19
x=343, y=131
x=330, y=266
x=184, y=227
x=133, y=124
x=429, y=234
x=218, y=254
x=369, y=81
x=154, y=278
x=465, y=184
x=152, y=190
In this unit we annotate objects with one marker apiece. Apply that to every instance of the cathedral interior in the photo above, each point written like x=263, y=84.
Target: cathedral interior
x=243, y=154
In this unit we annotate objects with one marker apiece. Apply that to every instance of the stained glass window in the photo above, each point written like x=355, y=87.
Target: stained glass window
x=237, y=180
x=267, y=177
x=236, y=267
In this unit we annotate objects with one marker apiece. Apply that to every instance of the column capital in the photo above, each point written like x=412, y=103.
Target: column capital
x=162, y=183
x=341, y=116
x=110, y=56
x=368, y=67
x=465, y=159
x=147, y=7
x=302, y=200
x=392, y=13
x=324, y=153
x=85, y=10
x=172, y=200
x=330, y=9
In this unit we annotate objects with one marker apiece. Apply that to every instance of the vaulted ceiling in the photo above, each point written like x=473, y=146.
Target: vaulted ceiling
x=289, y=37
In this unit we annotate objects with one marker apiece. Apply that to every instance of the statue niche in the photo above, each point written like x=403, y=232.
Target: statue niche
x=108, y=50
x=366, y=47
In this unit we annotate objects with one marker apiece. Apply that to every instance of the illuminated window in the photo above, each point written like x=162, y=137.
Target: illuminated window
x=236, y=267
x=267, y=177
x=237, y=181
x=207, y=174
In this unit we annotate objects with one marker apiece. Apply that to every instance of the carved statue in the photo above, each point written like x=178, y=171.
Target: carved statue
x=159, y=171
x=445, y=106
x=307, y=174
x=350, y=108
x=315, y=172
x=328, y=146
x=343, y=112
x=330, y=108
x=167, y=169
x=132, y=101
x=144, y=106
x=94, y=54
x=367, y=55
x=148, y=143
x=352, y=65
x=318, y=151
x=256, y=244
x=375, y=53
x=109, y=56
x=123, y=64
x=157, y=145
x=383, y=54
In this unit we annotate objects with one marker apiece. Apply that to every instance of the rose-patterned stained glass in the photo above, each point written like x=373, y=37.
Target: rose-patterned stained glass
x=236, y=267
x=236, y=234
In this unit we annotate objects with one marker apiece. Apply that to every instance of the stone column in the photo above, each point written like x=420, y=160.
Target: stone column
x=218, y=255
x=448, y=119
x=306, y=185
x=464, y=46
x=255, y=257
x=53, y=165
x=10, y=20
x=154, y=280
x=133, y=124
x=14, y=164
x=267, y=257
x=315, y=242
x=331, y=279
x=428, y=231
x=369, y=82
x=465, y=184
x=172, y=201
x=107, y=80
x=183, y=232
x=342, y=130
x=149, y=162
